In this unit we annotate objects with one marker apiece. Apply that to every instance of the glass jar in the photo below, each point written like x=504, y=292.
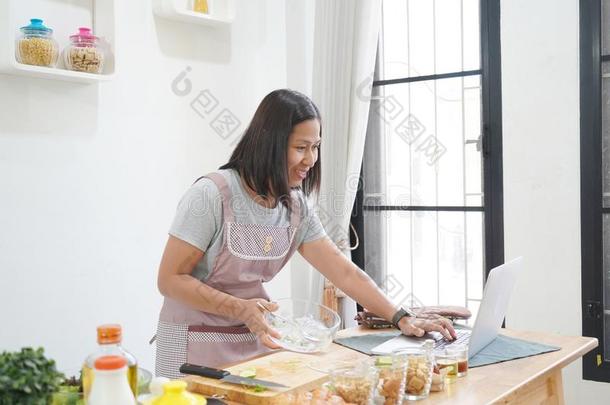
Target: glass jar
x=445, y=360
x=84, y=53
x=461, y=354
x=392, y=378
x=36, y=45
x=419, y=372
x=356, y=384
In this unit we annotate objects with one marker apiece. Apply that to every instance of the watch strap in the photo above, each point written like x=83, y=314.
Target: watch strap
x=401, y=313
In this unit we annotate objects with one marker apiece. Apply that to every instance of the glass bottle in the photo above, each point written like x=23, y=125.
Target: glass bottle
x=109, y=340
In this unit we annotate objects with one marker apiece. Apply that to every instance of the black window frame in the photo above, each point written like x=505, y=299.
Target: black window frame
x=491, y=136
x=591, y=188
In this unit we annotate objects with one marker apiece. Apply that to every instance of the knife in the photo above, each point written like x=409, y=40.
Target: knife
x=226, y=376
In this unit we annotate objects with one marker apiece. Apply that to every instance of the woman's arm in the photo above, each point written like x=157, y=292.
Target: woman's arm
x=175, y=281
x=328, y=260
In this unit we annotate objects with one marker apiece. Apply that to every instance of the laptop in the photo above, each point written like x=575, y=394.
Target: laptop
x=492, y=311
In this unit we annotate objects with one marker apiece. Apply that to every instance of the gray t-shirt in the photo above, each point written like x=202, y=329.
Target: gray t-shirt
x=199, y=218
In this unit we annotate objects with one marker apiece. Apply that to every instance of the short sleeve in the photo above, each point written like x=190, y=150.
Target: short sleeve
x=311, y=227
x=199, y=215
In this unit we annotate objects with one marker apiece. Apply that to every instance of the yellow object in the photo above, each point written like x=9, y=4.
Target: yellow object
x=200, y=6
x=174, y=393
x=599, y=360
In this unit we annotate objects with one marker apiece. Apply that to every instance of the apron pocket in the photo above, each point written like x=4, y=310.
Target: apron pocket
x=218, y=346
x=171, y=349
x=259, y=242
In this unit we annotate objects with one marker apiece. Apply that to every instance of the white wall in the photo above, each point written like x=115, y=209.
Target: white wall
x=540, y=95
x=91, y=174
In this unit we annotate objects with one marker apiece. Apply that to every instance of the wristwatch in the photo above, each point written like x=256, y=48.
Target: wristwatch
x=401, y=313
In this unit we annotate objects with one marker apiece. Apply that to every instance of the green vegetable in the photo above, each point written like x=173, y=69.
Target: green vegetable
x=383, y=361
x=27, y=377
x=259, y=388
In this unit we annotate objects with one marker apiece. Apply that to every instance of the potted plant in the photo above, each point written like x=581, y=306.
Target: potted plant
x=27, y=377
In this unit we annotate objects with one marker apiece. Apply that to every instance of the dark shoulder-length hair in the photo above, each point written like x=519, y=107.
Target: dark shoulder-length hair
x=261, y=155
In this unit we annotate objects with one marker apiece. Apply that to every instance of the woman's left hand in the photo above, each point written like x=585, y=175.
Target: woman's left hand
x=419, y=326
x=252, y=315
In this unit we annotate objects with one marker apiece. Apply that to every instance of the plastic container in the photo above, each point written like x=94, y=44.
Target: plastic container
x=419, y=371
x=109, y=338
x=36, y=45
x=84, y=53
x=110, y=384
x=174, y=393
x=317, y=321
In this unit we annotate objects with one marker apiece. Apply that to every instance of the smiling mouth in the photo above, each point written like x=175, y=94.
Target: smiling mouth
x=302, y=174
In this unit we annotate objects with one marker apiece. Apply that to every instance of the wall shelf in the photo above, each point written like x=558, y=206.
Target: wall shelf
x=222, y=12
x=100, y=16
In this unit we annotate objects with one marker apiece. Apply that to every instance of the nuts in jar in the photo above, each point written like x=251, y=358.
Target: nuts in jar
x=355, y=384
x=84, y=53
x=419, y=372
x=36, y=45
x=392, y=375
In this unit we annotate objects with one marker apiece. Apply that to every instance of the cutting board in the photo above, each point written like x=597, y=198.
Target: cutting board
x=295, y=370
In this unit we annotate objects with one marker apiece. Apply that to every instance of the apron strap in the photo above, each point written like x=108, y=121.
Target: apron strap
x=295, y=215
x=225, y=192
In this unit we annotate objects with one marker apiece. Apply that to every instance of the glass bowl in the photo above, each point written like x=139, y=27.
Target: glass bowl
x=304, y=326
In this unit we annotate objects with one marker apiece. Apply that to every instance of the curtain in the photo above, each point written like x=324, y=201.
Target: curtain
x=345, y=45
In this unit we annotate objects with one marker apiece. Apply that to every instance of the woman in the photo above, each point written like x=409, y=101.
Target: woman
x=235, y=229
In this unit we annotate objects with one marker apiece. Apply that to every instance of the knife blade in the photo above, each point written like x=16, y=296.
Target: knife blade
x=226, y=376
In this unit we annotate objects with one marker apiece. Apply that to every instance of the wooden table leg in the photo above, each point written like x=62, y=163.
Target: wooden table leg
x=544, y=390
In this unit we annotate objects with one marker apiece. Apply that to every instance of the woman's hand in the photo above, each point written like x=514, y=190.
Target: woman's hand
x=252, y=315
x=419, y=326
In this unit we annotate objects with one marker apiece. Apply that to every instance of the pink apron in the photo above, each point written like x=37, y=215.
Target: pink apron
x=250, y=255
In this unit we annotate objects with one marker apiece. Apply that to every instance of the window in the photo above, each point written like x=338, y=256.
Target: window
x=595, y=182
x=430, y=205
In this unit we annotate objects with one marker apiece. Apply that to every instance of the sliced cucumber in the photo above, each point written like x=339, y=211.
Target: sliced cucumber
x=248, y=373
x=383, y=361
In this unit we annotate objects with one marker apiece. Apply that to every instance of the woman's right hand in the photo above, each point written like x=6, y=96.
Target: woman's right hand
x=253, y=316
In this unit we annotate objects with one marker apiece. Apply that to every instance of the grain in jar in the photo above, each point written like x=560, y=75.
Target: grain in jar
x=36, y=45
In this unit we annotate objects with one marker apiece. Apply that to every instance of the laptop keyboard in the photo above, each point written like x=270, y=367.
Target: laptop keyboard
x=463, y=335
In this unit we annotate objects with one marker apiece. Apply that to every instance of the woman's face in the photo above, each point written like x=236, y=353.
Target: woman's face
x=303, y=145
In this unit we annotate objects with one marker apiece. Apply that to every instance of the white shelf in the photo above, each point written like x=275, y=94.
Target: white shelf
x=222, y=12
x=56, y=73
x=101, y=19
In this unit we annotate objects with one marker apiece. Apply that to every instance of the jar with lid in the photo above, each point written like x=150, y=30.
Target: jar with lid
x=84, y=53
x=36, y=45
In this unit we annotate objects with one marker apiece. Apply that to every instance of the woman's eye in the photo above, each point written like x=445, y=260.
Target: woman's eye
x=300, y=148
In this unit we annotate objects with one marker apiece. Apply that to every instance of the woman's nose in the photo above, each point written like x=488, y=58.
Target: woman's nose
x=310, y=158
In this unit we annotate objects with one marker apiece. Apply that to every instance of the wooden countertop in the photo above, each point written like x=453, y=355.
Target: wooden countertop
x=537, y=377
x=501, y=383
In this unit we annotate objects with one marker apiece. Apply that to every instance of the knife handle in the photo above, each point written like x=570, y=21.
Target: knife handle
x=209, y=372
